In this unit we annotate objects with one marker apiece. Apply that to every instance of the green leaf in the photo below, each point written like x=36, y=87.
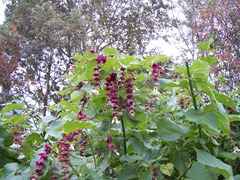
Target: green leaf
x=77, y=56
x=152, y=155
x=11, y=107
x=8, y=171
x=68, y=106
x=52, y=129
x=131, y=159
x=209, y=121
x=199, y=172
x=225, y=100
x=17, y=119
x=220, y=112
x=34, y=138
x=210, y=60
x=137, y=144
x=71, y=126
x=110, y=51
x=125, y=60
x=6, y=137
x=204, y=46
x=157, y=58
x=76, y=96
x=180, y=160
x=228, y=155
x=147, y=175
x=169, y=130
x=211, y=161
x=129, y=173
x=111, y=65
x=167, y=169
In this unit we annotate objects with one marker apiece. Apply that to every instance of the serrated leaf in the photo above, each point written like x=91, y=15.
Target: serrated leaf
x=207, y=159
x=71, y=126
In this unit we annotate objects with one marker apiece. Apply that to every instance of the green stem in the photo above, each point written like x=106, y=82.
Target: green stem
x=193, y=96
x=74, y=170
x=124, y=137
x=94, y=158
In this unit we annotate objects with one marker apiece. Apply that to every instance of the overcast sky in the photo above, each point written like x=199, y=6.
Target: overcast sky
x=2, y=7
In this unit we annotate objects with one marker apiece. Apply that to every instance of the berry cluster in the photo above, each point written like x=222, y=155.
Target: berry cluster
x=233, y=136
x=112, y=88
x=110, y=145
x=41, y=162
x=96, y=76
x=184, y=102
x=155, y=173
x=156, y=71
x=17, y=134
x=101, y=59
x=130, y=95
x=81, y=115
x=64, y=149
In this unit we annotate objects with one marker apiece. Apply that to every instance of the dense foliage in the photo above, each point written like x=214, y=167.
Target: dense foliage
x=48, y=33
x=219, y=19
x=123, y=119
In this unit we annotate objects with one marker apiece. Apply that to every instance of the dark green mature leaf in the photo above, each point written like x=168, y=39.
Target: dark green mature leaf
x=180, y=160
x=132, y=158
x=228, y=155
x=152, y=155
x=169, y=130
x=147, y=175
x=71, y=126
x=209, y=120
x=11, y=107
x=129, y=173
x=207, y=159
x=5, y=137
x=138, y=145
x=220, y=112
x=8, y=171
x=199, y=172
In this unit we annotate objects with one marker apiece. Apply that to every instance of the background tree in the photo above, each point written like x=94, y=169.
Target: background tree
x=218, y=18
x=52, y=31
